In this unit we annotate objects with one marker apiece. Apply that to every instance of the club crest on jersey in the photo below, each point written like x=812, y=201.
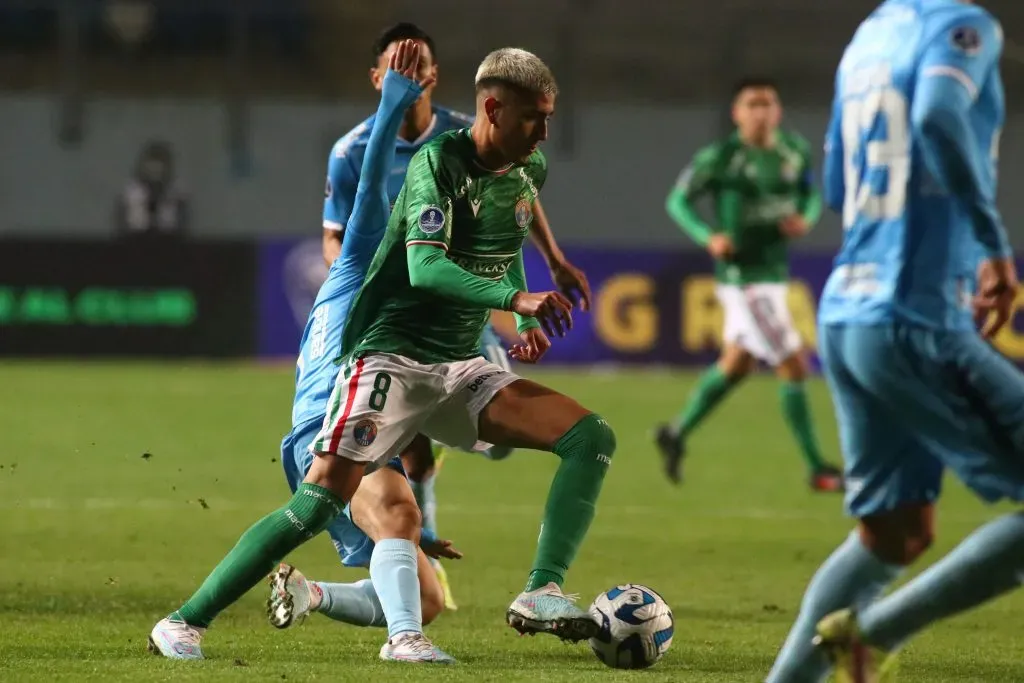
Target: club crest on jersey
x=431, y=219
x=365, y=432
x=524, y=213
x=966, y=39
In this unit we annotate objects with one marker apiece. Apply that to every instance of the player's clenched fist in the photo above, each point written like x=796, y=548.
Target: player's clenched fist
x=551, y=309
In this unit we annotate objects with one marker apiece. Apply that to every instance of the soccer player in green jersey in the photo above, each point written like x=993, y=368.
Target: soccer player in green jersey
x=451, y=253
x=759, y=180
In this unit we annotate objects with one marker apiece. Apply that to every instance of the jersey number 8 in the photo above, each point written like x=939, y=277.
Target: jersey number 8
x=379, y=395
x=879, y=121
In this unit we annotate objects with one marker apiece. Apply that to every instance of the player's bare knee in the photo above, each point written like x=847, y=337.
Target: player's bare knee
x=338, y=475
x=899, y=537
x=736, y=363
x=793, y=368
x=399, y=519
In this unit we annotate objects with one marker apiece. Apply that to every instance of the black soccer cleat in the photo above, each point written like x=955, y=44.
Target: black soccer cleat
x=672, y=450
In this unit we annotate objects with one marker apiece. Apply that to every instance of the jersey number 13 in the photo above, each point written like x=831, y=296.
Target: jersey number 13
x=875, y=139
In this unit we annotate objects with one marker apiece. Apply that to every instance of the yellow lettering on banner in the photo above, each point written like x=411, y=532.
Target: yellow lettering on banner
x=701, y=317
x=625, y=317
x=1009, y=341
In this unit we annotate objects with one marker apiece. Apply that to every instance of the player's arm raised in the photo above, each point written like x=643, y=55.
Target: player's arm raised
x=370, y=211
x=428, y=207
x=695, y=181
x=339, y=196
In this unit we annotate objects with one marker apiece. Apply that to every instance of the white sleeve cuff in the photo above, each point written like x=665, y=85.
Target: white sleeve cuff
x=332, y=225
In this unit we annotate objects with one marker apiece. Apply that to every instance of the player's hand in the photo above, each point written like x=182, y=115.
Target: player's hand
x=535, y=345
x=571, y=281
x=720, y=247
x=794, y=226
x=997, y=289
x=551, y=309
x=441, y=549
x=406, y=61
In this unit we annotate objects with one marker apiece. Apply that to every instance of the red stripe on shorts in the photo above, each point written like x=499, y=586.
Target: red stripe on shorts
x=353, y=387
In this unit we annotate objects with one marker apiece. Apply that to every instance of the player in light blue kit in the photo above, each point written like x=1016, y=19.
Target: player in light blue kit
x=314, y=380
x=423, y=122
x=910, y=161
x=392, y=596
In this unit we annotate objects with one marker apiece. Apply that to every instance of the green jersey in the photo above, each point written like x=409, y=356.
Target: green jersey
x=752, y=190
x=452, y=251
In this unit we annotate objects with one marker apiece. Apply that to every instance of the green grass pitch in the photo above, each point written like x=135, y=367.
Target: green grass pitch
x=98, y=542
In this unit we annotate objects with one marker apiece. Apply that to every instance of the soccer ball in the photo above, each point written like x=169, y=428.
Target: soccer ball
x=636, y=627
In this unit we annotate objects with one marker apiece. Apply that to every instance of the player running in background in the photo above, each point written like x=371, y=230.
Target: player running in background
x=760, y=180
x=385, y=501
x=423, y=122
x=911, y=162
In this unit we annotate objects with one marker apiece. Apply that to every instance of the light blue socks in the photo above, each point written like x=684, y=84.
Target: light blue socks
x=393, y=572
x=851, y=576
x=987, y=564
x=353, y=603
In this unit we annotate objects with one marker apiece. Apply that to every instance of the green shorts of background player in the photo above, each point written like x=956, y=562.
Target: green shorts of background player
x=760, y=183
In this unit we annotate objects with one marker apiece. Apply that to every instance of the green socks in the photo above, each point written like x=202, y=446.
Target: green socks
x=265, y=544
x=798, y=417
x=586, y=452
x=712, y=387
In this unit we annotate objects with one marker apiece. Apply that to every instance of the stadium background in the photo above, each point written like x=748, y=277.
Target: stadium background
x=250, y=96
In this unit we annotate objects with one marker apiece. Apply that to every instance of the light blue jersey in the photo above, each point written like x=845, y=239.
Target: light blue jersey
x=910, y=163
x=347, y=159
x=316, y=371
x=321, y=339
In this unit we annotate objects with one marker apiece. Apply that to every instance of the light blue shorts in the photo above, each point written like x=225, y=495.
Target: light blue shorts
x=912, y=401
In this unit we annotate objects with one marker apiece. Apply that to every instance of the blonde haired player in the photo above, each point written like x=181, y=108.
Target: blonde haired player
x=451, y=252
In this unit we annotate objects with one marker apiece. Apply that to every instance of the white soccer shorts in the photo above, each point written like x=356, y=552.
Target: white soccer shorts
x=381, y=401
x=757, y=319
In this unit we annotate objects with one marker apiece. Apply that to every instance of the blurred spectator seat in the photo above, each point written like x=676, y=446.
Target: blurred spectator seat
x=157, y=46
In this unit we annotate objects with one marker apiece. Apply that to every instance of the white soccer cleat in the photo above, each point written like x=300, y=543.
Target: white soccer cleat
x=548, y=610
x=176, y=640
x=414, y=647
x=291, y=597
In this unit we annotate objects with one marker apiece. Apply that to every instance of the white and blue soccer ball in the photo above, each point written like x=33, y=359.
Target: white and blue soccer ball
x=636, y=627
